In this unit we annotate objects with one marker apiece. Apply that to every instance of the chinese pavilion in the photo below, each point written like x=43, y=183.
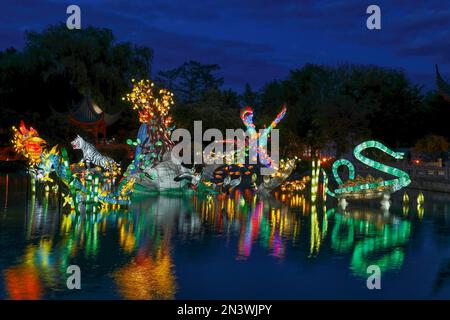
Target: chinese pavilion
x=91, y=118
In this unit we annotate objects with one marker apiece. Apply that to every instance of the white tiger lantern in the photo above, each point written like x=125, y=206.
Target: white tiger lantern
x=92, y=156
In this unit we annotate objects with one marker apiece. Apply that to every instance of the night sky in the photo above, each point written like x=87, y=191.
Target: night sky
x=257, y=41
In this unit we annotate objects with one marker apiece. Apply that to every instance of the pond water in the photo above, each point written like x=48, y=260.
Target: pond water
x=236, y=247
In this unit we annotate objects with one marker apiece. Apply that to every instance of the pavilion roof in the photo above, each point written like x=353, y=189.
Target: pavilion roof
x=442, y=85
x=88, y=112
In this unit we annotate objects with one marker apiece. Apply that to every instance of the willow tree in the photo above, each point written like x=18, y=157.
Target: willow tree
x=57, y=66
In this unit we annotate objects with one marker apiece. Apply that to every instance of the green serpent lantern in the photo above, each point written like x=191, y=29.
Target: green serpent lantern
x=369, y=187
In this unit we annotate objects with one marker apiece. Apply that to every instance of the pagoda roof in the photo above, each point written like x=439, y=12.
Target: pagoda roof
x=88, y=112
x=442, y=85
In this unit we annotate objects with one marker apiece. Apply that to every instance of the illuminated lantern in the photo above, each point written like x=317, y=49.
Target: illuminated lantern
x=93, y=189
x=405, y=198
x=369, y=187
x=315, y=179
x=420, y=199
x=153, y=107
x=28, y=143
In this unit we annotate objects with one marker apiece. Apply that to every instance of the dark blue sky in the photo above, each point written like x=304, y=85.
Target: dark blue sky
x=256, y=41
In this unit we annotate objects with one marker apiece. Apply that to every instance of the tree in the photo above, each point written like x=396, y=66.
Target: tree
x=190, y=80
x=343, y=122
x=341, y=105
x=88, y=61
x=249, y=97
x=57, y=66
x=394, y=105
x=217, y=109
x=432, y=144
x=436, y=112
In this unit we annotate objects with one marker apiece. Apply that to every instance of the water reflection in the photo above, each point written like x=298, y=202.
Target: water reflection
x=149, y=275
x=133, y=251
x=381, y=239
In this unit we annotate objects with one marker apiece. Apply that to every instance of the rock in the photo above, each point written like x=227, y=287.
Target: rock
x=160, y=178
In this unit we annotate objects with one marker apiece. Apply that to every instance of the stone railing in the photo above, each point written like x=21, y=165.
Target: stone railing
x=415, y=171
x=425, y=177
